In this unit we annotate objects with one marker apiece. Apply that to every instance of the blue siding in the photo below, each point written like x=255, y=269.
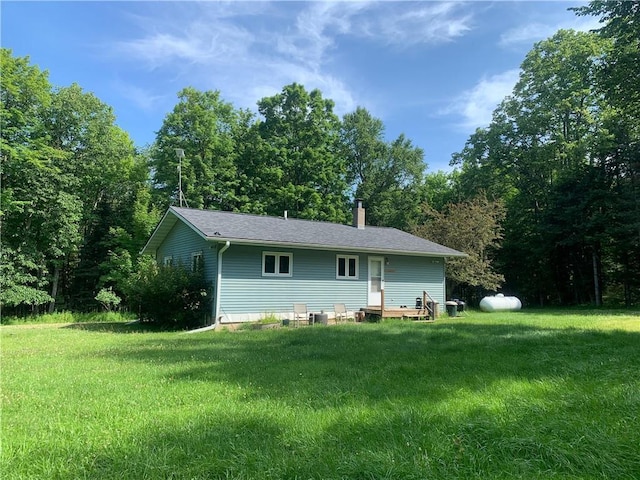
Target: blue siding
x=181, y=243
x=313, y=281
x=245, y=290
x=245, y=293
x=407, y=277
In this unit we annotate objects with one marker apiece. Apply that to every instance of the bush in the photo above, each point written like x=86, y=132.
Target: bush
x=108, y=299
x=169, y=296
x=268, y=319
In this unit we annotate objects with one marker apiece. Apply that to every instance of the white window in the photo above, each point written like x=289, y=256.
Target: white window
x=347, y=267
x=167, y=261
x=277, y=264
x=196, y=262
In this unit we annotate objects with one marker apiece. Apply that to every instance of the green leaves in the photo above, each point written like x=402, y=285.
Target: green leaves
x=68, y=175
x=619, y=72
x=555, y=152
x=299, y=162
x=203, y=126
x=169, y=296
x=108, y=299
x=473, y=227
x=387, y=176
x=297, y=156
x=21, y=283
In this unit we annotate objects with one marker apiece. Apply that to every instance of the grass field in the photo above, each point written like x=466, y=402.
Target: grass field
x=533, y=395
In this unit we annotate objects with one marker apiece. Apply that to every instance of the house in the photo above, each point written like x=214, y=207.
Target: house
x=261, y=265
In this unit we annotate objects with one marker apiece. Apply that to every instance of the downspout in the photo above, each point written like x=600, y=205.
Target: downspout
x=218, y=281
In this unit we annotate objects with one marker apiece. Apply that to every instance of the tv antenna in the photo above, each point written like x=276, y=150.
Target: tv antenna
x=181, y=197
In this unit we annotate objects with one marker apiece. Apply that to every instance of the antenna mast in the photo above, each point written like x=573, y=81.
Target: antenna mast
x=181, y=197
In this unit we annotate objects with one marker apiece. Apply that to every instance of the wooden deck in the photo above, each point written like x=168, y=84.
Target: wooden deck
x=428, y=312
x=397, y=312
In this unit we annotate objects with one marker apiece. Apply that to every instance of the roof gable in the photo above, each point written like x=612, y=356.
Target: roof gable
x=244, y=228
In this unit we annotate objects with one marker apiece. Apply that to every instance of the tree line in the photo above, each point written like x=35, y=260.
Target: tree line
x=544, y=200
x=563, y=153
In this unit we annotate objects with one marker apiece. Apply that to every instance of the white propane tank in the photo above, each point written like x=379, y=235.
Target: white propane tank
x=500, y=303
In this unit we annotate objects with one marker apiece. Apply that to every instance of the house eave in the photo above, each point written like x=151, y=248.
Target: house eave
x=335, y=248
x=165, y=225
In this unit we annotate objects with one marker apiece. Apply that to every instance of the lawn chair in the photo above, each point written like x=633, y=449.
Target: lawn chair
x=342, y=314
x=300, y=312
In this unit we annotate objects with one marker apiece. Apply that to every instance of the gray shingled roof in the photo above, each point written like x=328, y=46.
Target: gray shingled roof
x=264, y=230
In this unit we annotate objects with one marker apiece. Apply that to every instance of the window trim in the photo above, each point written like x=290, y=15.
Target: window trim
x=167, y=261
x=194, y=266
x=346, y=258
x=277, y=256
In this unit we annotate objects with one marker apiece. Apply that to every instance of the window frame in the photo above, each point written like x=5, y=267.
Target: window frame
x=277, y=256
x=167, y=261
x=195, y=267
x=346, y=259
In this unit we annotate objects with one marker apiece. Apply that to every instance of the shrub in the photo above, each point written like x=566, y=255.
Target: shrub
x=169, y=296
x=22, y=288
x=108, y=299
x=269, y=318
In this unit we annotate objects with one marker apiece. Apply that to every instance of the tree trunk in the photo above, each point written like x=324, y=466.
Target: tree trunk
x=596, y=279
x=627, y=284
x=54, y=288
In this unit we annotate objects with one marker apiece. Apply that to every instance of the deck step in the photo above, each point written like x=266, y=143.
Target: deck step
x=416, y=316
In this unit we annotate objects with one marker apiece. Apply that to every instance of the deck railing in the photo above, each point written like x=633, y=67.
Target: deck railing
x=429, y=305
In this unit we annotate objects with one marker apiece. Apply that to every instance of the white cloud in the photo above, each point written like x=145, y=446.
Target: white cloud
x=528, y=34
x=525, y=34
x=476, y=105
x=420, y=23
x=270, y=81
x=308, y=40
x=213, y=51
x=199, y=43
x=228, y=47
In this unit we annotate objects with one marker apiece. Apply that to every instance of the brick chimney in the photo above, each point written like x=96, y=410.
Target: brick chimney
x=358, y=214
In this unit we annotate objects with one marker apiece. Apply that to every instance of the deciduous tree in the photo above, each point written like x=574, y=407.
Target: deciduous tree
x=543, y=139
x=618, y=77
x=300, y=166
x=475, y=228
x=387, y=176
x=68, y=175
x=31, y=186
x=202, y=125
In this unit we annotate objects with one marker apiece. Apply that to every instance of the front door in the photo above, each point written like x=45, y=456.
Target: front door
x=376, y=281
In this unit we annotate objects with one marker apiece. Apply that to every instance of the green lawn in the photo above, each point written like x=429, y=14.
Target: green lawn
x=514, y=395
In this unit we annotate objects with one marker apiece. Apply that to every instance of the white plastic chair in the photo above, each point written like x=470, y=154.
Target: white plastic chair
x=300, y=312
x=342, y=314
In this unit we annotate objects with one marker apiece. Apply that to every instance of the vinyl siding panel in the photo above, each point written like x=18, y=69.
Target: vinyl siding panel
x=245, y=291
x=313, y=281
x=407, y=277
x=181, y=243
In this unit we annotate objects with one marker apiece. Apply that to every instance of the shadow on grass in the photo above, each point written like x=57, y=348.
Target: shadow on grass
x=113, y=327
x=122, y=327
x=405, y=444
x=368, y=365
x=585, y=311
x=397, y=400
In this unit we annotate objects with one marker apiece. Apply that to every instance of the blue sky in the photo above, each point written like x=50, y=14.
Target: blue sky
x=431, y=70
